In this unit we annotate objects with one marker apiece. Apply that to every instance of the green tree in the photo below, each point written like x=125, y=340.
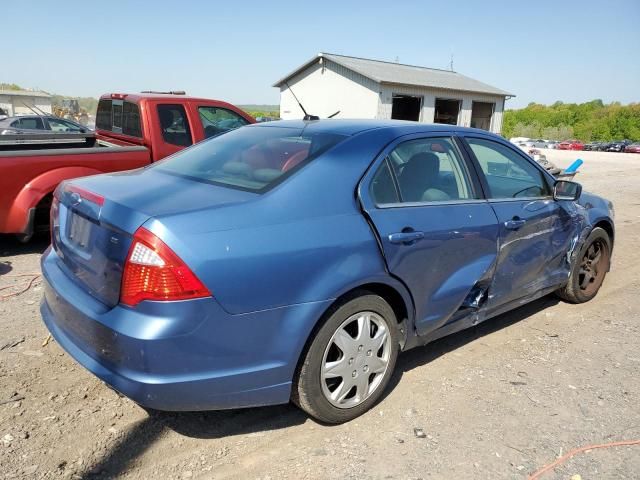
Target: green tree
x=587, y=121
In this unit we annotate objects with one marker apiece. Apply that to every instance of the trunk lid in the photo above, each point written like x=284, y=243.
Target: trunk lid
x=96, y=217
x=91, y=249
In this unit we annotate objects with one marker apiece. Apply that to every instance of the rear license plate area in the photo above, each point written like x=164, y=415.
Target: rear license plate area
x=79, y=231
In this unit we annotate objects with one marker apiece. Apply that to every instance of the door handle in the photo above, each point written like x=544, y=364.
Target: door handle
x=406, y=238
x=515, y=223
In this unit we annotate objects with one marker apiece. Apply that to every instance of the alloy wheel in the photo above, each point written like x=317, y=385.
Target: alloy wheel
x=356, y=359
x=593, y=267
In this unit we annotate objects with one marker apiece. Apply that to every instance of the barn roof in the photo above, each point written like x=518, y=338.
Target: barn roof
x=398, y=73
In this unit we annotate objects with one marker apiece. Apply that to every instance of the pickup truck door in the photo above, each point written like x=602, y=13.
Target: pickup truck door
x=175, y=130
x=536, y=232
x=438, y=236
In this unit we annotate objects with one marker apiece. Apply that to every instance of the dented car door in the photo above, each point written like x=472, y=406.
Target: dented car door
x=438, y=235
x=535, y=231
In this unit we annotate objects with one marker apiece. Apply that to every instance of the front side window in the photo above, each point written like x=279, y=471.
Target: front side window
x=216, y=120
x=508, y=174
x=253, y=159
x=59, y=125
x=429, y=170
x=174, y=125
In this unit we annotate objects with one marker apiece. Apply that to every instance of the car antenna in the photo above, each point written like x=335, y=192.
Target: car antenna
x=32, y=109
x=42, y=112
x=334, y=114
x=306, y=115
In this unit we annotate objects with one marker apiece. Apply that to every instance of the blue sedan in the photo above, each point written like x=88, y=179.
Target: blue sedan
x=295, y=260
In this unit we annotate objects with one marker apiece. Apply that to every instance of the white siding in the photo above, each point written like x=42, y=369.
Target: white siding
x=325, y=89
x=428, y=103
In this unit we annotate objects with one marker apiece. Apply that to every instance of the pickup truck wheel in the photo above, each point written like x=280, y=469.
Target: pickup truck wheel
x=589, y=269
x=349, y=361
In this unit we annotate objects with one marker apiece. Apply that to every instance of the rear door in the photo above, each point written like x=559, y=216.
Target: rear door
x=438, y=236
x=535, y=231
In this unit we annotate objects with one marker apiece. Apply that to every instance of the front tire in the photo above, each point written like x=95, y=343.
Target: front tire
x=589, y=269
x=349, y=362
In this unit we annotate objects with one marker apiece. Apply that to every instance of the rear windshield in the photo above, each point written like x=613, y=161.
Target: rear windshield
x=119, y=117
x=250, y=158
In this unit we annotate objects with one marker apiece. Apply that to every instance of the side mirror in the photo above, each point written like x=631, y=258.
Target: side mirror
x=565, y=190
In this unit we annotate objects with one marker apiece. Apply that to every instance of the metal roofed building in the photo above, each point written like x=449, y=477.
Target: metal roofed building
x=365, y=88
x=21, y=102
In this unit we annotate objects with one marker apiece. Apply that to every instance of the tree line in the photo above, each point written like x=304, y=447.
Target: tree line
x=590, y=121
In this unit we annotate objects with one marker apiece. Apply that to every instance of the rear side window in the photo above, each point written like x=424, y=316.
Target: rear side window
x=217, y=120
x=174, y=125
x=31, y=123
x=253, y=158
x=383, y=189
x=430, y=170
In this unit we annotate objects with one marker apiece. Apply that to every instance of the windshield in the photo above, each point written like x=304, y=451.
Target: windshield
x=250, y=158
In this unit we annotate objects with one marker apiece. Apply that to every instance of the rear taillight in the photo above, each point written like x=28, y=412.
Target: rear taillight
x=53, y=217
x=153, y=271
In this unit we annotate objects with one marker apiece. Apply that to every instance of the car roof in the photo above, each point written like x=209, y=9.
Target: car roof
x=136, y=97
x=353, y=127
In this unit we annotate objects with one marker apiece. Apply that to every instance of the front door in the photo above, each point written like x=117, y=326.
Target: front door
x=438, y=236
x=535, y=231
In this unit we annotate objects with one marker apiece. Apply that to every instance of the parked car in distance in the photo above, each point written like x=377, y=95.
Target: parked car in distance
x=3, y=114
x=633, y=148
x=618, y=145
x=593, y=146
x=39, y=124
x=132, y=131
x=294, y=260
x=571, y=145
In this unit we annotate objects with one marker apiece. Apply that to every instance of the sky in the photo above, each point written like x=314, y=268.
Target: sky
x=541, y=51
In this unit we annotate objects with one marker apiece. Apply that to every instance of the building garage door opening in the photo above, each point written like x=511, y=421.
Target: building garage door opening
x=447, y=111
x=406, y=107
x=481, y=113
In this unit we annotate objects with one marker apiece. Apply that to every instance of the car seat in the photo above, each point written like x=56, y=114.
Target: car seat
x=419, y=177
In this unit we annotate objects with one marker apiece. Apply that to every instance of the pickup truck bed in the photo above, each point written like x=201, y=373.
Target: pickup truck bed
x=29, y=176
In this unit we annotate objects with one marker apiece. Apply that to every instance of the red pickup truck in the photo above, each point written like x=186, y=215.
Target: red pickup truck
x=132, y=130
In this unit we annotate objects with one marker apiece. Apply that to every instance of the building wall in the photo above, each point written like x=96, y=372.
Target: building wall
x=325, y=89
x=429, y=99
x=15, y=104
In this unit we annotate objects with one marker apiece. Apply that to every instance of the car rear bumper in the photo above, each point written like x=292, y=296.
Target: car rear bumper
x=181, y=356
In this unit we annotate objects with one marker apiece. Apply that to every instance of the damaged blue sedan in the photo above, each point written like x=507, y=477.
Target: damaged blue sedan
x=294, y=261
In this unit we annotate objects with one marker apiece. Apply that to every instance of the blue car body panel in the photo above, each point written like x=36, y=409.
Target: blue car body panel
x=276, y=261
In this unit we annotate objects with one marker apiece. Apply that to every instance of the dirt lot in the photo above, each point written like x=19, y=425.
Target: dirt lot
x=496, y=401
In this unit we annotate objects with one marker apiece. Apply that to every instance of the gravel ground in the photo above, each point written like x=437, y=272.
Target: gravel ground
x=496, y=401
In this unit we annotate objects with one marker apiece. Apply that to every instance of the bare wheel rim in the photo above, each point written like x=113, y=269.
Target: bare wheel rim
x=593, y=267
x=355, y=360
